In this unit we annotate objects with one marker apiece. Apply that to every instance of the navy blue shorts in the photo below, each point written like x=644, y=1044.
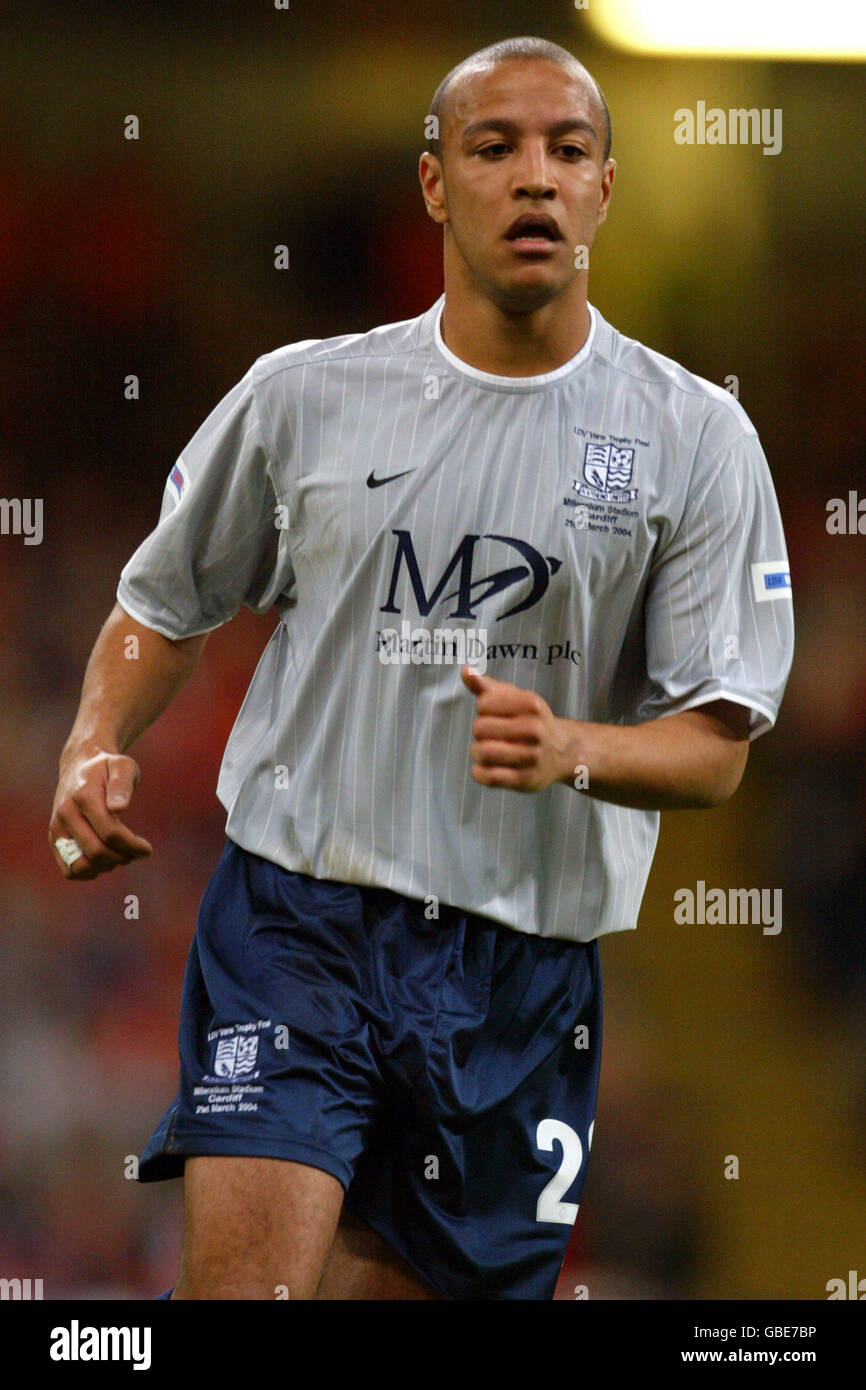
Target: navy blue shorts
x=445, y=1070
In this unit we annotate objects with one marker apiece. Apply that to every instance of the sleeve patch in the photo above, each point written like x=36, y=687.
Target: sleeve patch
x=178, y=479
x=771, y=579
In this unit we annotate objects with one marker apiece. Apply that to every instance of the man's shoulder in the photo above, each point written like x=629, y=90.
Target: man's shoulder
x=669, y=382
x=399, y=339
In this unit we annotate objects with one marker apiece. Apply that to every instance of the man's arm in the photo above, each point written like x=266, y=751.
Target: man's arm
x=120, y=698
x=693, y=759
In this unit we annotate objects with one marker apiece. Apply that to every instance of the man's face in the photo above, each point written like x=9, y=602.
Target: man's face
x=522, y=140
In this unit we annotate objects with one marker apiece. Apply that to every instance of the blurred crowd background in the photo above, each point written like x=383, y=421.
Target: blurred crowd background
x=155, y=257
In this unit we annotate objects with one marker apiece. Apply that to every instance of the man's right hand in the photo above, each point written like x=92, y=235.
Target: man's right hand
x=94, y=786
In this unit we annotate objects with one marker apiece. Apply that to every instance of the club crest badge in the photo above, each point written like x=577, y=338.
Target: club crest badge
x=235, y=1057
x=607, y=472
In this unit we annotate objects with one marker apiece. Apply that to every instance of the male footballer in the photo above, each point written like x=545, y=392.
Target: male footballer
x=391, y=1022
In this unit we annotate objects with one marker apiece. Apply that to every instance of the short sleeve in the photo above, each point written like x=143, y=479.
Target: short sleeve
x=718, y=612
x=219, y=543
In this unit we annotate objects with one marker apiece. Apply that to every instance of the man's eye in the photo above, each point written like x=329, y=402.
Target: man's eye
x=572, y=150
x=493, y=149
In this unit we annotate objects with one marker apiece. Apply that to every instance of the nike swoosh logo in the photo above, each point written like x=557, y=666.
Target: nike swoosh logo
x=373, y=481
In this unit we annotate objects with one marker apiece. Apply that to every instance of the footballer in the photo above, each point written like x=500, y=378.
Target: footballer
x=390, y=1032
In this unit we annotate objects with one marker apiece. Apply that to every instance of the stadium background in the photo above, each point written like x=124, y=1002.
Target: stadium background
x=156, y=257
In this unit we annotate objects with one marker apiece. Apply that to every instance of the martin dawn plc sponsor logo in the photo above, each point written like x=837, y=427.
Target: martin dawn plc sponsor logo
x=533, y=569
x=449, y=646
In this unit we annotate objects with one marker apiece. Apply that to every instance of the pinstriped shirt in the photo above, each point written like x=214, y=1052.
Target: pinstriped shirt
x=606, y=534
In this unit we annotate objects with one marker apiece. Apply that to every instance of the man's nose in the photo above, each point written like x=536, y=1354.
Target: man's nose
x=534, y=173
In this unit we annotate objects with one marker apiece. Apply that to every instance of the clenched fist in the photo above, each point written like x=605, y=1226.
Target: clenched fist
x=519, y=742
x=94, y=785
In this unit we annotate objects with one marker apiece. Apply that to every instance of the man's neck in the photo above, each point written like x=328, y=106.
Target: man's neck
x=494, y=340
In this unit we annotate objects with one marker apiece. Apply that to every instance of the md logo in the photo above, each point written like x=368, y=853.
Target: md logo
x=470, y=591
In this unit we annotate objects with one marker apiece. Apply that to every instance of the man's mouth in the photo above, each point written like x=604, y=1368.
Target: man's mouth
x=533, y=232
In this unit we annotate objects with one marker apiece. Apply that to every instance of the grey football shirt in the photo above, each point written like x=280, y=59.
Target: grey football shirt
x=610, y=526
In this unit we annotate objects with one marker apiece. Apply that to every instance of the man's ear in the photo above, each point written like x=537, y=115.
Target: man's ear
x=431, y=176
x=607, y=176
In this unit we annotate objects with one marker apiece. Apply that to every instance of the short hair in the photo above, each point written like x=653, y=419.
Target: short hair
x=502, y=52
